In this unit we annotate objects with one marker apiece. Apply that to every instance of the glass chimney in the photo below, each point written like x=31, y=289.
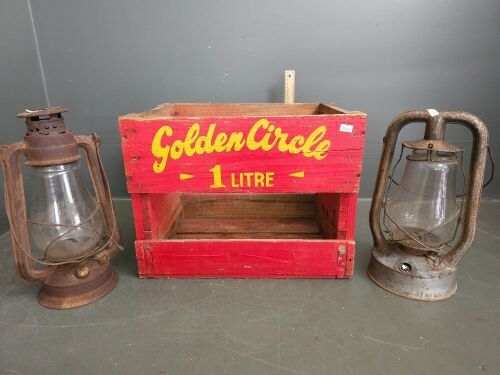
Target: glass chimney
x=423, y=213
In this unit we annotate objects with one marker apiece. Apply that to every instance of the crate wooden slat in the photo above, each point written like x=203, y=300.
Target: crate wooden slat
x=298, y=223
x=245, y=259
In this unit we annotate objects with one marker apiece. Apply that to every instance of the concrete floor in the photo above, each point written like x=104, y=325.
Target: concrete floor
x=259, y=326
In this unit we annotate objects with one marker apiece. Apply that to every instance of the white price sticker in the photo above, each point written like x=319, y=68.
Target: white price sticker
x=346, y=128
x=433, y=112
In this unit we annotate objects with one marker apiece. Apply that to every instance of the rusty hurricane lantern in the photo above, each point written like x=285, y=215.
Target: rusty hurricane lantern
x=423, y=224
x=63, y=232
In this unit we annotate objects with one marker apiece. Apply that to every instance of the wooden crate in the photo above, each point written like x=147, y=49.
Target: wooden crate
x=218, y=190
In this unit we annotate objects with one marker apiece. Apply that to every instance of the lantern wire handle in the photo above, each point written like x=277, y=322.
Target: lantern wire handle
x=462, y=200
x=108, y=193
x=492, y=174
x=490, y=179
x=76, y=259
x=394, y=169
x=391, y=180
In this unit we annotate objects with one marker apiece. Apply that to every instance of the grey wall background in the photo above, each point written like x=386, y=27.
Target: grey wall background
x=106, y=58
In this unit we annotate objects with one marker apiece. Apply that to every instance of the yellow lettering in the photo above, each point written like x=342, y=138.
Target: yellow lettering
x=217, y=174
x=320, y=151
x=176, y=150
x=296, y=144
x=204, y=143
x=259, y=179
x=282, y=145
x=235, y=142
x=315, y=137
x=233, y=182
x=220, y=142
x=252, y=144
x=160, y=151
x=191, y=136
x=248, y=176
x=269, y=179
x=262, y=136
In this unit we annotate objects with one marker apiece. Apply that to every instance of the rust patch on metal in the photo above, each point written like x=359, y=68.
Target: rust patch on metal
x=48, y=140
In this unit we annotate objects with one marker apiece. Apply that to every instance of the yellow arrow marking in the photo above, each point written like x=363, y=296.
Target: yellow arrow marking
x=184, y=176
x=299, y=174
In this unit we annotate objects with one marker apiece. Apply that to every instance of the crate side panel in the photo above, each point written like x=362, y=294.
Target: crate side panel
x=164, y=210
x=349, y=267
x=141, y=259
x=253, y=225
x=347, y=215
x=164, y=155
x=327, y=207
x=244, y=109
x=239, y=206
x=337, y=214
x=138, y=216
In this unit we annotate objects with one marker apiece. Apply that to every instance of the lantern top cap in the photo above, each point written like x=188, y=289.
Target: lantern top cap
x=48, y=111
x=432, y=145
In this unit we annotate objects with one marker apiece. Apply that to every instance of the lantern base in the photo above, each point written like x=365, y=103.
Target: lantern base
x=411, y=276
x=77, y=285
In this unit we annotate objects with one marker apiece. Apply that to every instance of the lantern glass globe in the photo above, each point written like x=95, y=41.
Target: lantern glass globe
x=423, y=213
x=64, y=220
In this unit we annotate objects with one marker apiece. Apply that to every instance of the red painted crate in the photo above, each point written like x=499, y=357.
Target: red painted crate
x=244, y=190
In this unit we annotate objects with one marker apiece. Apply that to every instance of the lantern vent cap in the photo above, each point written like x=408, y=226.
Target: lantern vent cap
x=48, y=111
x=47, y=140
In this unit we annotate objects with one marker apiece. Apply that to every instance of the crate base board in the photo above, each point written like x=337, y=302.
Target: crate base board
x=245, y=258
